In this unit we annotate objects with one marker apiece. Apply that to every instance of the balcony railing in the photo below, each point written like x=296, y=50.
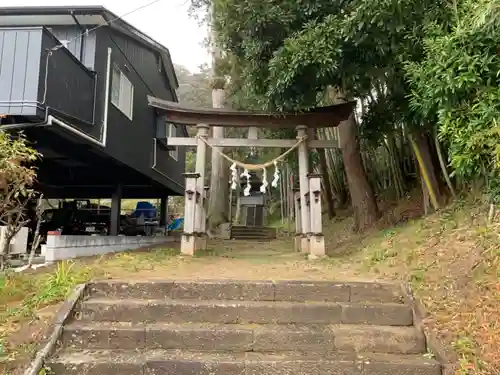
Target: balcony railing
x=35, y=75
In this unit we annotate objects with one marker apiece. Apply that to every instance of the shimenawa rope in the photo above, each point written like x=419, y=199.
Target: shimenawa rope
x=255, y=167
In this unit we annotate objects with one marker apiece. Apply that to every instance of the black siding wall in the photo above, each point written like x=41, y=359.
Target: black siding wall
x=132, y=141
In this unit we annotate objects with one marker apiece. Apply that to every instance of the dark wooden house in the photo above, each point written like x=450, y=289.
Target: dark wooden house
x=75, y=80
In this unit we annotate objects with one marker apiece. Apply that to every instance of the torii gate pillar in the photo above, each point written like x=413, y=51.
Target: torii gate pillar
x=317, y=240
x=305, y=217
x=199, y=214
x=188, y=239
x=298, y=225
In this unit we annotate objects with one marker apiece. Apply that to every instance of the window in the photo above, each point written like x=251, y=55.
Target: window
x=122, y=93
x=172, y=132
x=159, y=63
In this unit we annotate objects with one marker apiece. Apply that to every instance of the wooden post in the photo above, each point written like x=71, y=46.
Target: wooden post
x=317, y=240
x=298, y=224
x=164, y=212
x=202, y=239
x=201, y=161
x=304, y=188
x=116, y=208
x=188, y=239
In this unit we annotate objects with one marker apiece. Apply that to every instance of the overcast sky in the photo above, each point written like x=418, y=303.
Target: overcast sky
x=166, y=21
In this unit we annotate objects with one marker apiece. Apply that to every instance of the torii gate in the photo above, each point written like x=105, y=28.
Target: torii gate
x=308, y=222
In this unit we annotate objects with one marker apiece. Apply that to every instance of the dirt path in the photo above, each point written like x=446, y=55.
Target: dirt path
x=230, y=260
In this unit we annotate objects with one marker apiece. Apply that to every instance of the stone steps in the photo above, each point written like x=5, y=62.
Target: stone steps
x=253, y=233
x=176, y=362
x=288, y=290
x=244, y=338
x=258, y=312
x=242, y=327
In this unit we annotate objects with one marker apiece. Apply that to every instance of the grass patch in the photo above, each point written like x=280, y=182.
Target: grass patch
x=23, y=296
x=452, y=260
x=35, y=292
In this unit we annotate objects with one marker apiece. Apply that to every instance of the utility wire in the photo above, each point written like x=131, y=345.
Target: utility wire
x=59, y=46
x=55, y=48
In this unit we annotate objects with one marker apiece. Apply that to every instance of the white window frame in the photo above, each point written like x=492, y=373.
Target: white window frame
x=125, y=100
x=172, y=132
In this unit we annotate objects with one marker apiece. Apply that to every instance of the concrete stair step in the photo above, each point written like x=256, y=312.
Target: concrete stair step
x=253, y=238
x=254, y=230
x=260, y=312
x=261, y=231
x=161, y=362
x=249, y=290
x=253, y=233
x=243, y=338
x=243, y=227
x=241, y=232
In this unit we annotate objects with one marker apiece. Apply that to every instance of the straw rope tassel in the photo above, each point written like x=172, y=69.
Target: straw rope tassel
x=276, y=175
x=265, y=184
x=246, y=191
x=234, y=174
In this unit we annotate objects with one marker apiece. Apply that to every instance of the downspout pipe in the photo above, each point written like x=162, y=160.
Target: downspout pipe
x=26, y=125
x=153, y=167
x=50, y=121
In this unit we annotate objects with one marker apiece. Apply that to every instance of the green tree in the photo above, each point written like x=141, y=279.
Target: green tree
x=17, y=176
x=194, y=88
x=194, y=91
x=456, y=85
x=288, y=54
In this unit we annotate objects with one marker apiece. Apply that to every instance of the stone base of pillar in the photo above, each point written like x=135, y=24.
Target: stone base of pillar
x=201, y=242
x=304, y=244
x=297, y=241
x=188, y=244
x=317, y=246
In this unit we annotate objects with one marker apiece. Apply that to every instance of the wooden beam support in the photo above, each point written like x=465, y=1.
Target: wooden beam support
x=242, y=142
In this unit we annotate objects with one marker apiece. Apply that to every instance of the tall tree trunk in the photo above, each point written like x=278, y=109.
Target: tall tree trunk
x=327, y=187
x=218, y=206
x=326, y=182
x=335, y=169
x=219, y=182
x=442, y=164
x=395, y=166
x=422, y=150
x=366, y=212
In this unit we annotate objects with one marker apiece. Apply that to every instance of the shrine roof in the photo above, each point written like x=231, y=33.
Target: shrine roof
x=320, y=117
